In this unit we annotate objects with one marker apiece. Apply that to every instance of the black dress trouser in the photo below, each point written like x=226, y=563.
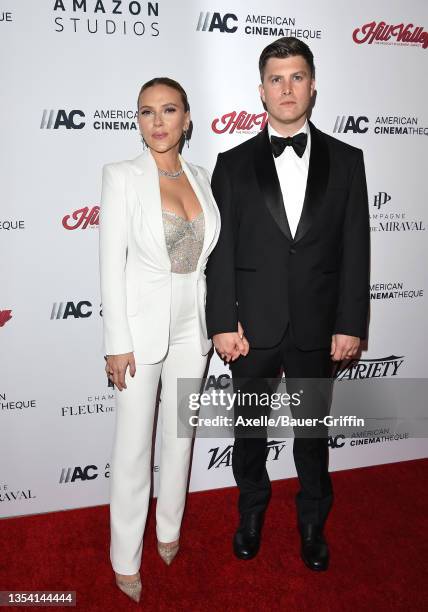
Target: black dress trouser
x=310, y=453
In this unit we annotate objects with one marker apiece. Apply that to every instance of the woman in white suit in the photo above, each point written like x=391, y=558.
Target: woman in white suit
x=158, y=224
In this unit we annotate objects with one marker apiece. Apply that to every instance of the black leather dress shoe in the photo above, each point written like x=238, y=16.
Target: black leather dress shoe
x=246, y=541
x=314, y=550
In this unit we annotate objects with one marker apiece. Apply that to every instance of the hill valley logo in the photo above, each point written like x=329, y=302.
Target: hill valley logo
x=382, y=33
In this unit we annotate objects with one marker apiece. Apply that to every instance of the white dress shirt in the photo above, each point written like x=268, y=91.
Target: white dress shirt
x=292, y=172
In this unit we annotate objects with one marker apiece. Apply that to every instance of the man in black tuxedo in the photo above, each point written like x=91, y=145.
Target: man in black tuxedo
x=288, y=282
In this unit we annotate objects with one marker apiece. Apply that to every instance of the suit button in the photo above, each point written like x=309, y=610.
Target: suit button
x=292, y=251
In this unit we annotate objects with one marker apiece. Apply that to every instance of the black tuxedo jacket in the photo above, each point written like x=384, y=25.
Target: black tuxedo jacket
x=259, y=275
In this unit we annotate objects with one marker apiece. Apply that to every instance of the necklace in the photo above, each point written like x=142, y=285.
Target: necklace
x=171, y=175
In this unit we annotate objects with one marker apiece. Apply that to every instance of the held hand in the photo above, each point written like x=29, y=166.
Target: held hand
x=116, y=367
x=344, y=347
x=231, y=345
x=244, y=340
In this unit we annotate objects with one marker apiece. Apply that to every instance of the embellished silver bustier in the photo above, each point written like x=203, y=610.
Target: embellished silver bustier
x=184, y=240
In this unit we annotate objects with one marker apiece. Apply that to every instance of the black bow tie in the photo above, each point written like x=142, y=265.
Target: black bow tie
x=298, y=142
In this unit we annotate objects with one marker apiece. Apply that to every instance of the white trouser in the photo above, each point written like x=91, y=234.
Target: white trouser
x=130, y=473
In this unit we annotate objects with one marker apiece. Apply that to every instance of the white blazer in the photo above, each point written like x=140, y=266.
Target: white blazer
x=135, y=268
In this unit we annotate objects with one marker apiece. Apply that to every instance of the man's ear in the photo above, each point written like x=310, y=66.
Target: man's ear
x=312, y=87
x=262, y=92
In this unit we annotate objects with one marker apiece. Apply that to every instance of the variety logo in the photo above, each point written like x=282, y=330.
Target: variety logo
x=53, y=119
x=5, y=316
x=370, y=368
x=89, y=472
x=380, y=199
x=6, y=404
x=208, y=22
x=110, y=17
x=393, y=291
x=83, y=218
x=242, y=122
x=64, y=310
x=385, y=34
x=223, y=458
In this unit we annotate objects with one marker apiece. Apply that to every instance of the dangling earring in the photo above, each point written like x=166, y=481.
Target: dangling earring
x=186, y=138
x=143, y=142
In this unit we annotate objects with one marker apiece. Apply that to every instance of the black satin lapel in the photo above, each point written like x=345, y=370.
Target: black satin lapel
x=318, y=173
x=269, y=182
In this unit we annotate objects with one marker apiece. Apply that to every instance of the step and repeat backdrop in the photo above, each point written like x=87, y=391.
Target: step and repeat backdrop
x=70, y=74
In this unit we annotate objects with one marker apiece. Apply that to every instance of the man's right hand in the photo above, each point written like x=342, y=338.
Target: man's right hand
x=231, y=345
x=116, y=367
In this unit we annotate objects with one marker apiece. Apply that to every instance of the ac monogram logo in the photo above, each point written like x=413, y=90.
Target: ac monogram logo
x=206, y=23
x=346, y=124
x=52, y=119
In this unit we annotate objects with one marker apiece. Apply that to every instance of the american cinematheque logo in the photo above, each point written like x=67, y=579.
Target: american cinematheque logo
x=382, y=33
x=111, y=119
x=394, y=290
x=396, y=125
x=107, y=17
x=240, y=122
x=273, y=26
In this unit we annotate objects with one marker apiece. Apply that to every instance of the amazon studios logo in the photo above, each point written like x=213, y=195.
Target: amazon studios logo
x=106, y=17
x=370, y=368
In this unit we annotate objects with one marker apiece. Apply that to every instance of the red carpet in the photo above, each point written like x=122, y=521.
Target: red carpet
x=377, y=534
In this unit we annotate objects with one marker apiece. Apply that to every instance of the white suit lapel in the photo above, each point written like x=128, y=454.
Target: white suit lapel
x=148, y=193
x=198, y=184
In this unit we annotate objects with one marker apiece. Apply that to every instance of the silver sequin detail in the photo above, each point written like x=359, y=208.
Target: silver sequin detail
x=184, y=240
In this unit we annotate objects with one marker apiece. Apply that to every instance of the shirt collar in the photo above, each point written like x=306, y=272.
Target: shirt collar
x=304, y=130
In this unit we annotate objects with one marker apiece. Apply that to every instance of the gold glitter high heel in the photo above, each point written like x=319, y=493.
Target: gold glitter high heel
x=132, y=589
x=167, y=552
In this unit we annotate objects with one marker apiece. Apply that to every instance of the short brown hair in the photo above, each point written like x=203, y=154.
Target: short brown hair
x=287, y=46
x=169, y=83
